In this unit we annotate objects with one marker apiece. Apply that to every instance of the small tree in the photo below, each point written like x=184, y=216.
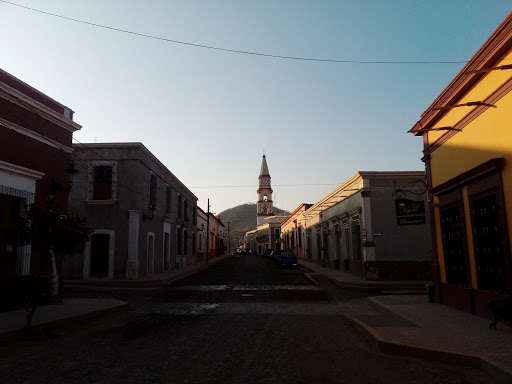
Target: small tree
x=51, y=233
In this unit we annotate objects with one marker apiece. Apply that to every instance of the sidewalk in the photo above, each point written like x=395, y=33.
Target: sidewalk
x=429, y=331
x=73, y=309
x=147, y=282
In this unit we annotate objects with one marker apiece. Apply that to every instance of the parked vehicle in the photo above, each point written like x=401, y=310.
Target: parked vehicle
x=287, y=258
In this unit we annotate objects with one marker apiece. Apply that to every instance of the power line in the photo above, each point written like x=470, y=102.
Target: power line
x=284, y=57
x=254, y=186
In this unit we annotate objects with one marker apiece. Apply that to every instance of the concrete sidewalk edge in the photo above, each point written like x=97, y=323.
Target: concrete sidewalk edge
x=394, y=348
x=148, y=284
x=67, y=320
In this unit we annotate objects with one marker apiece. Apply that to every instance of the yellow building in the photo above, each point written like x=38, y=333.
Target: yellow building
x=467, y=137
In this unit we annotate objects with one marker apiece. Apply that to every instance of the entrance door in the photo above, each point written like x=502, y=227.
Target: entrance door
x=9, y=213
x=100, y=254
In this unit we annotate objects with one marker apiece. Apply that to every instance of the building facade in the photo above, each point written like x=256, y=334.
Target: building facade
x=468, y=156
x=293, y=231
x=249, y=242
x=35, y=152
x=144, y=218
x=268, y=235
x=374, y=225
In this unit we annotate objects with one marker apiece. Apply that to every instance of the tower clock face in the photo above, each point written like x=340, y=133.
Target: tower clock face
x=264, y=182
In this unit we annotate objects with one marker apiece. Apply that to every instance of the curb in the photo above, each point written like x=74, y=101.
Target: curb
x=392, y=348
x=67, y=321
x=137, y=284
x=309, y=277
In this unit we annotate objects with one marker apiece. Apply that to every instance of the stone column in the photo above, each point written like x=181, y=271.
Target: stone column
x=132, y=264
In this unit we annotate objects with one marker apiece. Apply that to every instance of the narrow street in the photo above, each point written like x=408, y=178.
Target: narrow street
x=245, y=320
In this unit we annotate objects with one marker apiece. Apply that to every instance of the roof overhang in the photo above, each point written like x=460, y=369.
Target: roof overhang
x=496, y=46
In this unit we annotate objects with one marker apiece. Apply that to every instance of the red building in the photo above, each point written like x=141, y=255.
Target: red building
x=35, y=152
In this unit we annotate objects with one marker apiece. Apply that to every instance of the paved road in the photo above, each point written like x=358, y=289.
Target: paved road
x=242, y=321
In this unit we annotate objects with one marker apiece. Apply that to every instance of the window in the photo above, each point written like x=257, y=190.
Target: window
x=167, y=245
x=178, y=241
x=452, y=232
x=356, y=241
x=318, y=244
x=185, y=242
x=180, y=207
x=488, y=247
x=168, y=201
x=102, y=188
x=185, y=210
x=152, y=190
x=101, y=180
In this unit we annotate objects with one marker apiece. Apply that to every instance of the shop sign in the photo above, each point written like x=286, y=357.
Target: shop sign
x=410, y=212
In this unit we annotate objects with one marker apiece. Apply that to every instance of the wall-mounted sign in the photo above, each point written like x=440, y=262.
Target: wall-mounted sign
x=410, y=212
x=411, y=220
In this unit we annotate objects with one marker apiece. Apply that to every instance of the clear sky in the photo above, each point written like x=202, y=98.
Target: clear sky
x=209, y=115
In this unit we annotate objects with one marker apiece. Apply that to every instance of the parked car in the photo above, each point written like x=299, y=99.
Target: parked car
x=287, y=258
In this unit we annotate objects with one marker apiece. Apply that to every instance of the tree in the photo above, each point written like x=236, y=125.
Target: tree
x=51, y=233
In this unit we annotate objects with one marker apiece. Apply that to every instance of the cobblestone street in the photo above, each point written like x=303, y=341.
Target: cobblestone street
x=245, y=320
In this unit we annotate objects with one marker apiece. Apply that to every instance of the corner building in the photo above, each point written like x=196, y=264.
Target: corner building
x=467, y=144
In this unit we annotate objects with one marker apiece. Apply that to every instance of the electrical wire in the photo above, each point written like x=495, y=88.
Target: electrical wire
x=284, y=57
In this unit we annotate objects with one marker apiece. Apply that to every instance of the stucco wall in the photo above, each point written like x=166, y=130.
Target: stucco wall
x=398, y=243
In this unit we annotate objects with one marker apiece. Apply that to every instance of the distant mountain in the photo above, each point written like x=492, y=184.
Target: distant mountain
x=243, y=219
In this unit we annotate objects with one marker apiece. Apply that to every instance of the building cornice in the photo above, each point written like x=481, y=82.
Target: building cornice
x=19, y=98
x=19, y=170
x=34, y=135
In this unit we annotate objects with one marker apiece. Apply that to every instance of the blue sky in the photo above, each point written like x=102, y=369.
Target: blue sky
x=208, y=115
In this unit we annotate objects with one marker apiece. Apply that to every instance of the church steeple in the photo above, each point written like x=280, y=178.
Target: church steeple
x=264, y=167
x=265, y=207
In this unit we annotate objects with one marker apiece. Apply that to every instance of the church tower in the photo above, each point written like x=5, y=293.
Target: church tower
x=265, y=206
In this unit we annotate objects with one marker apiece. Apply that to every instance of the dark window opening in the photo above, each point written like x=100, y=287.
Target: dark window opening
x=168, y=201
x=488, y=244
x=152, y=190
x=452, y=232
x=102, y=189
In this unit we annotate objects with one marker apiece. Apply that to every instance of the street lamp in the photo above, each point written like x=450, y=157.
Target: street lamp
x=70, y=172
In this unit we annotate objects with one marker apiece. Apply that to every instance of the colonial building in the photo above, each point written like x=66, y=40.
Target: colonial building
x=202, y=225
x=249, y=242
x=293, y=231
x=268, y=234
x=144, y=218
x=35, y=152
x=216, y=236
x=374, y=225
x=467, y=151
x=265, y=205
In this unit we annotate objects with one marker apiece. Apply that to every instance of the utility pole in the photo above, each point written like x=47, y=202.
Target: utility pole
x=229, y=239
x=208, y=232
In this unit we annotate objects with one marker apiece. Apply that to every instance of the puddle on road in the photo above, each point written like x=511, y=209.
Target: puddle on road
x=245, y=288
